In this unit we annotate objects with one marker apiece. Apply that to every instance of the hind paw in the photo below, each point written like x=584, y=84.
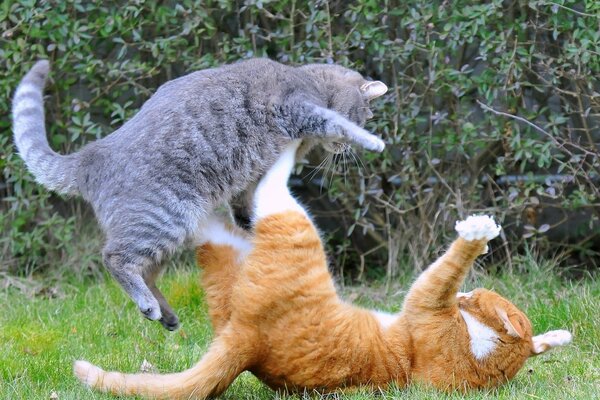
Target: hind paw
x=477, y=227
x=214, y=230
x=151, y=310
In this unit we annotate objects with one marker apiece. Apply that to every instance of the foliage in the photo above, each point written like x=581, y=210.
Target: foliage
x=493, y=106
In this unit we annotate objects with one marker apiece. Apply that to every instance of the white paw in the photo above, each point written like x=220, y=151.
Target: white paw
x=214, y=230
x=548, y=340
x=211, y=227
x=376, y=144
x=477, y=227
x=87, y=372
x=364, y=138
x=367, y=140
x=557, y=338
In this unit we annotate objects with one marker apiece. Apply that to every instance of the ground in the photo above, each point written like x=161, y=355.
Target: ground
x=42, y=334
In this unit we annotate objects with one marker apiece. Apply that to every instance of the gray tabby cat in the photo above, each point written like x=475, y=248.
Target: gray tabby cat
x=197, y=142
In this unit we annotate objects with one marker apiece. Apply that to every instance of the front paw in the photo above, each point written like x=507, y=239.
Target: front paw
x=370, y=142
x=373, y=143
x=477, y=227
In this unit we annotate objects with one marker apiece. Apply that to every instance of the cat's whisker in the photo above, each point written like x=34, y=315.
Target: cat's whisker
x=359, y=160
x=344, y=167
x=331, y=170
x=334, y=168
x=316, y=169
x=356, y=161
x=325, y=168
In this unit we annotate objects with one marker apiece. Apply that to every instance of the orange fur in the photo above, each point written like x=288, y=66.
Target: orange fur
x=277, y=314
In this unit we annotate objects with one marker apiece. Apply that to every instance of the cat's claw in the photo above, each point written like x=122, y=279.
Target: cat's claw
x=477, y=227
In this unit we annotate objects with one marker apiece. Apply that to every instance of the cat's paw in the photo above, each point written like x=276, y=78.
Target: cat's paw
x=149, y=308
x=373, y=143
x=477, y=227
x=364, y=138
x=214, y=230
x=548, y=340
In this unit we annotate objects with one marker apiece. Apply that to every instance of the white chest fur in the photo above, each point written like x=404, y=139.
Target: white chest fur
x=483, y=338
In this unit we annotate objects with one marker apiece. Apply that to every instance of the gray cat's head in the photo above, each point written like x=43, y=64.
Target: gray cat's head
x=347, y=93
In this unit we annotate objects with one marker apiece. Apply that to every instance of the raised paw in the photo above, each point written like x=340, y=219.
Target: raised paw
x=375, y=144
x=362, y=137
x=477, y=227
x=548, y=340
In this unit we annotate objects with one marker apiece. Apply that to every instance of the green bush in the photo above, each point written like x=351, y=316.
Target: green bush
x=493, y=107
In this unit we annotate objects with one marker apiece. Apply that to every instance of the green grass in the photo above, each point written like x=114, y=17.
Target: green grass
x=40, y=336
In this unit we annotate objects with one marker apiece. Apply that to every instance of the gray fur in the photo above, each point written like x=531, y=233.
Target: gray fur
x=200, y=140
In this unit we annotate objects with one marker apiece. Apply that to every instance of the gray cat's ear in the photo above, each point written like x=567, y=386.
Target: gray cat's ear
x=543, y=343
x=374, y=89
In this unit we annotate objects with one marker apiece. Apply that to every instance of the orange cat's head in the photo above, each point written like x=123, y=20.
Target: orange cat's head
x=501, y=336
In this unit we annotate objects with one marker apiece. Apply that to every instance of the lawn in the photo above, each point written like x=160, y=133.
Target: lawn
x=41, y=335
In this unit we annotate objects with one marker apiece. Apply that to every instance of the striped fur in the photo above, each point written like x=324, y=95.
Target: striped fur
x=56, y=172
x=200, y=141
x=276, y=313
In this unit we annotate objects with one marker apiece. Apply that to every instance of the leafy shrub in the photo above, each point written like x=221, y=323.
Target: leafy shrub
x=493, y=107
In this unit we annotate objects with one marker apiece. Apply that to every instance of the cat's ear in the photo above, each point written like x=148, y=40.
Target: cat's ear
x=373, y=89
x=548, y=340
x=512, y=324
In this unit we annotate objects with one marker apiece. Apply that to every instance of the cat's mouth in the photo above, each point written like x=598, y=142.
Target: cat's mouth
x=336, y=147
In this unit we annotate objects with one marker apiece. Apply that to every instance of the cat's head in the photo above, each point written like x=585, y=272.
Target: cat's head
x=347, y=93
x=501, y=336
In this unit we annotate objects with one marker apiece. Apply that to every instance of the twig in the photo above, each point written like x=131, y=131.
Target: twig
x=573, y=10
x=521, y=119
x=488, y=108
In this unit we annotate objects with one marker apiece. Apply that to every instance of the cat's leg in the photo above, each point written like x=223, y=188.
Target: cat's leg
x=138, y=237
x=228, y=356
x=438, y=285
x=220, y=252
x=169, y=319
x=127, y=269
x=319, y=121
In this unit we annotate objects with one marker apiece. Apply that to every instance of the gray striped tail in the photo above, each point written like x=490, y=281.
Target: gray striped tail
x=54, y=171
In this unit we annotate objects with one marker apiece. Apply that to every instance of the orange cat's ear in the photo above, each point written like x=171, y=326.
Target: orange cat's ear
x=543, y=343
x=511, y=324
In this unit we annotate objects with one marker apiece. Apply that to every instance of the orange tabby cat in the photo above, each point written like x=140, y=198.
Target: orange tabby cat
x=276, y=313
